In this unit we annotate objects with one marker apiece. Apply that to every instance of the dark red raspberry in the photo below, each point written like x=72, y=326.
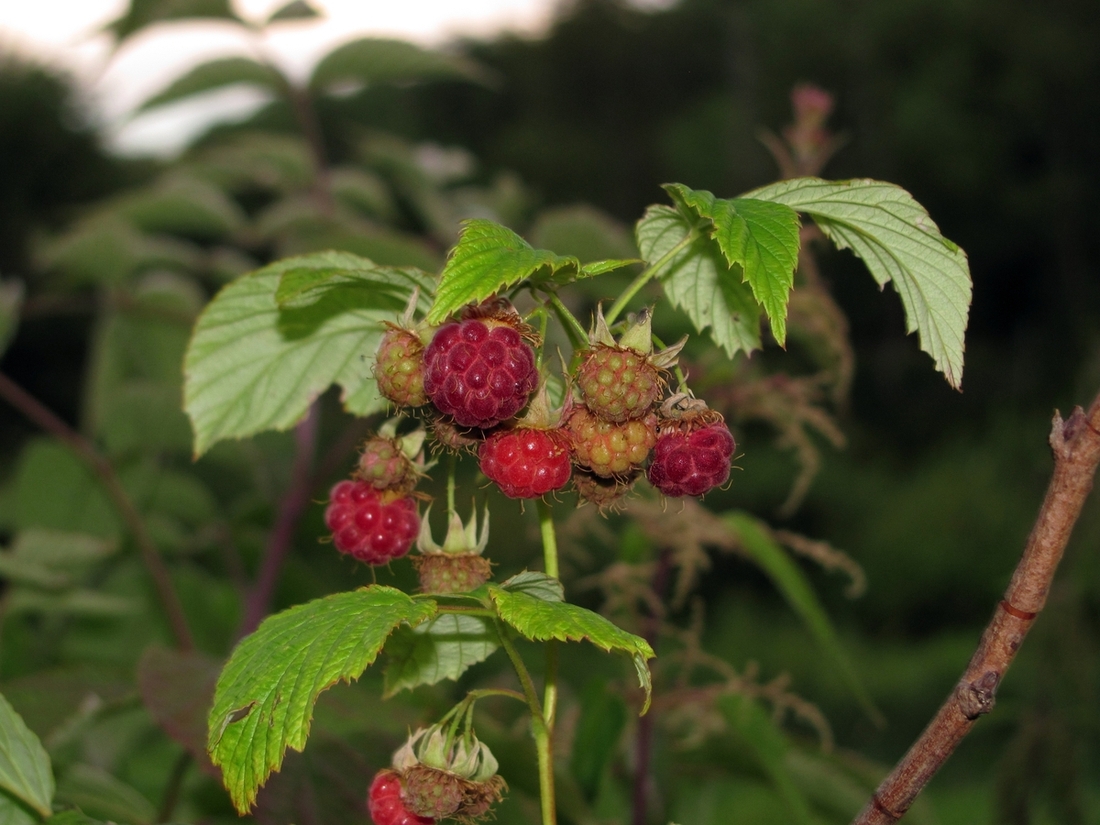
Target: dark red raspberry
x=386, y=805
x=691, y=460
x=526, y=462
x=370, y=525
x=479, y=371
x=609, y=448
x=399, y=368
x=618, y=383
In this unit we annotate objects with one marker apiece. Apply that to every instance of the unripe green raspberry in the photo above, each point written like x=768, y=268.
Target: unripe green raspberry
x=618, y=384
x=399, y=368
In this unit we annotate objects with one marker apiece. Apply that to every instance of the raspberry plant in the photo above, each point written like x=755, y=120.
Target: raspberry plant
x=612, y=406
x=506, y=361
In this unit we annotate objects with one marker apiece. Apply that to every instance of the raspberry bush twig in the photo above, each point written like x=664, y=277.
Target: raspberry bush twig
x=1076, y=446
x=104, y=470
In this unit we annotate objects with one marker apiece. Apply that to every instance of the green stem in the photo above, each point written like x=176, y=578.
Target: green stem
x=550, y=562
x=645, y=276
x=539, y=730
x=481, y=693
x=578, y=336
x=549, y=539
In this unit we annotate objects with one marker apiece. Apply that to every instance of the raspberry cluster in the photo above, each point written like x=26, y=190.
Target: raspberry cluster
x=478, y=372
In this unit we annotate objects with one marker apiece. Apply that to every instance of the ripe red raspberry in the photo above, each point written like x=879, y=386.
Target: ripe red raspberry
x=526, y=462
x=384, y=466
x=480, y=371
x=386, y=805
x=689, y=460
x=608, y=448
x=399, y=368
x=618, y=383
x=369, y=525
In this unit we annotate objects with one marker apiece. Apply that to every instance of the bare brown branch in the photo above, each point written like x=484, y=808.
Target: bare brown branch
x=1076, y=446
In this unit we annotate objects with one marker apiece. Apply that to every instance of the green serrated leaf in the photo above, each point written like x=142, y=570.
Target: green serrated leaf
x=536, y=584
x=795, y=588
x=759, y=733
x=541, y=620
x=217, y=74
x=103, y=796
x=376, y=60
x=758, y=236
x=25, y=770
x=897, y=240
x=440, y=649
x=142, y=13
x=253, y=366
x=264, y=699
x=698, y=280
x=488, y=258
x=294, y=10
x=11, y=302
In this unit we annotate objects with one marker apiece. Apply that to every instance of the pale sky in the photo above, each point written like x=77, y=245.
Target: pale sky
x=63, y=33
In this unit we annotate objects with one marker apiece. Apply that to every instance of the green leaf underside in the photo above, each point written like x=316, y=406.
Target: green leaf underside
x=217, y=74
x=253, y=365
x=758, y=731
x=792, y=583
x=25, y=770
x=758, y=236
x=264, y=699
x=894, y=236
x=536, y=584
x=440, y=649
x=698, y=281
x=541, y=620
